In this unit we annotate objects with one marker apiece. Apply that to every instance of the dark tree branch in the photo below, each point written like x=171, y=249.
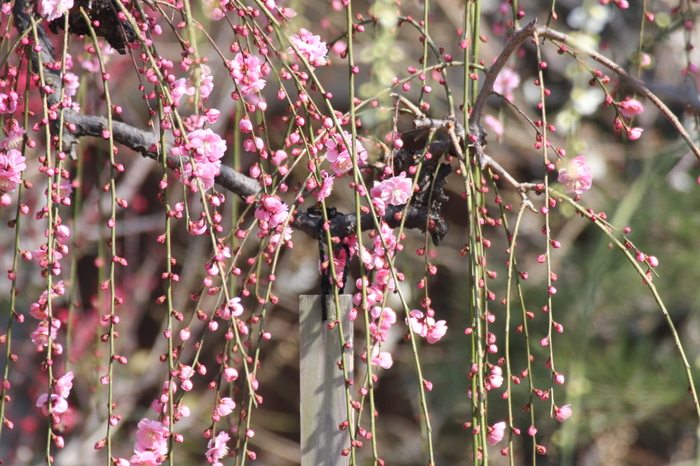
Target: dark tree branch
x=342, y=226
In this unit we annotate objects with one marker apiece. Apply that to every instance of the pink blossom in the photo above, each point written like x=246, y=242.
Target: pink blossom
x=386, y=315
x=379, y=206
x=253, y=144
x=311, y=47
x=151, y=436
x=206, y=145
x=54, y=9
x=205, y=171
x=287, y=240
x=145, y=458
x=206, y=81
x=575, y=175
x=382, y=359
x=495, y=379
x=217, y=447
x=630, y=108
x=185, y=374
x=14, y=138
x=212, y=115
x=339, y=155
x=71, y=84
x=383, y=277
x=42, y=335
x=245, y=125
x=230, y=374
x=506, y=82
x=271, y=213
x=634, y=133
x=246, y=70
x=225, y=406
x=8, y=102
x=11, y=167
x=644, y=60
x=436, y=331
x=234, y=308
x=496, y=433
x=59, y=405
x=41, y=257
x=278, y=157
x=64, y=385
x=179, y=88
x=61, y=389
x=38, y=309
x=394, y=191
x=326, y=186
x=426, y=326
x=563, y=413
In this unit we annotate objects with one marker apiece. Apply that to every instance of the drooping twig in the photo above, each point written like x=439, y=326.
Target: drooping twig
x=530, y=30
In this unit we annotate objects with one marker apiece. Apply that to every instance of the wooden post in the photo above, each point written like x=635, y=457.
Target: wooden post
x=323, y=403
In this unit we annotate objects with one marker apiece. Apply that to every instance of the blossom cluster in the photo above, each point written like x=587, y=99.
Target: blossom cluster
x=629, y=109
x=248, y=72
x=205, y=149
x=339, y=156
x=271, y=214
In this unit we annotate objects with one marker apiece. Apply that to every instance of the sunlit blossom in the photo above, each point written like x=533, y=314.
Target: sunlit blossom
x=426, y=326
x=59, y=403
x=311, y=47
x=206, y=144
x=217, y=448
x=496, y=433
x=151, y=436
x=394, y=191
x=575, y=175
x=54, y=9
x=382, y=359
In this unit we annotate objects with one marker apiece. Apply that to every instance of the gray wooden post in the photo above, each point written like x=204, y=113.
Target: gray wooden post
x=323, y=403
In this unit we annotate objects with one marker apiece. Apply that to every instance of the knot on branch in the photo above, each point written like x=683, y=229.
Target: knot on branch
x=105, y=21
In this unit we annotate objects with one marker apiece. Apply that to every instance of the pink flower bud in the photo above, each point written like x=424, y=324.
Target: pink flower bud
x=630, y=108
x=563, y=413
x=634, y=133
